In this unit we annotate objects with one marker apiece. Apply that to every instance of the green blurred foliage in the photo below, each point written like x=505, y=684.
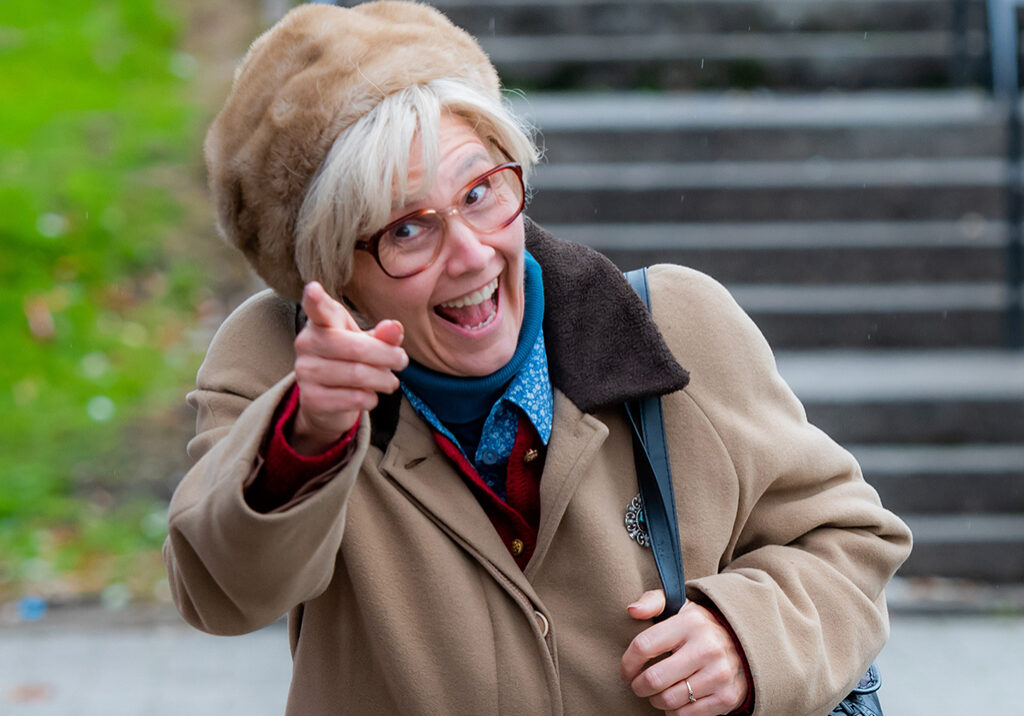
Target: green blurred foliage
x=96, y=133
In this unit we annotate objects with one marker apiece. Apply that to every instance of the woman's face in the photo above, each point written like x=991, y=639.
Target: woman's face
x=479, y=336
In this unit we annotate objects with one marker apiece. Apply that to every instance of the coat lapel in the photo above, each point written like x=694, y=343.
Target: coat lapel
x=415, y=463
x=576, y=439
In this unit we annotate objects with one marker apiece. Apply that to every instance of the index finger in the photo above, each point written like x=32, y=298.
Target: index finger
x=650, y=643
x=323, y=311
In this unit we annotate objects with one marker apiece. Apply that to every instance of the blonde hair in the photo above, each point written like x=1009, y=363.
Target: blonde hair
x=365, y=173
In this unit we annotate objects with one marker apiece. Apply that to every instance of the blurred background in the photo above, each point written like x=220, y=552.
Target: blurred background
x=850, y=169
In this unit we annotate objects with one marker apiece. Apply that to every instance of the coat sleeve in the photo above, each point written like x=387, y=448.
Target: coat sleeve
x=801, y=580
x=232, y=569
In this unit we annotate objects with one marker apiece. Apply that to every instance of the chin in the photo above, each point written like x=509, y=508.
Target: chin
x=485, y=363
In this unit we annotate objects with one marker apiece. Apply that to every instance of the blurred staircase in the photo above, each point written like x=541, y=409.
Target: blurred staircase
x=863, y=234
x=853, y=200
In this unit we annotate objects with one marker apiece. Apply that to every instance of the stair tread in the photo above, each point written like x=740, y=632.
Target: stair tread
x=971, y=232
x=627, y=110
x=903, y=375
x=906, y=173
x=765, y=46
x=966, y=460
x=870, y=298
x=960, y=528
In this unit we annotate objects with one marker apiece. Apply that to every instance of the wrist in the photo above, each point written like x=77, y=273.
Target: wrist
x=308, y=439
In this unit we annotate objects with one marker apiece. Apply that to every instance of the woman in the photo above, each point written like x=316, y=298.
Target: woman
x=415, y=444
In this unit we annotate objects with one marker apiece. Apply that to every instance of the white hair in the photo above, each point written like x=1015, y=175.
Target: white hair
x=365, y=174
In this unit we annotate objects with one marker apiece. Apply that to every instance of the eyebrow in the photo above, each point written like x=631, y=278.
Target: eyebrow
x=475, y=158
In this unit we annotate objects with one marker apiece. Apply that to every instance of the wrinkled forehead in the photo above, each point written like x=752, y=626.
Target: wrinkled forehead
x=457, y=156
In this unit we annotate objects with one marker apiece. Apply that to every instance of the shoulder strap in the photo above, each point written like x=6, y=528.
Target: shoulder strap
x=654, y=476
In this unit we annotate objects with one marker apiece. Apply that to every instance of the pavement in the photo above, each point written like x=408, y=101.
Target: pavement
x=954, y=649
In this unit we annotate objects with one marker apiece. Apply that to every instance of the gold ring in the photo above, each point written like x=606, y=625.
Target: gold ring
x=693, y=699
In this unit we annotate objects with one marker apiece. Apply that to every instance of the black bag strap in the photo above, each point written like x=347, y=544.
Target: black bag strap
x=654, y=476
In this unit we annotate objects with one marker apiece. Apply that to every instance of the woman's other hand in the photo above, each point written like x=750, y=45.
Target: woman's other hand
x=699, y=650
x=340, y=369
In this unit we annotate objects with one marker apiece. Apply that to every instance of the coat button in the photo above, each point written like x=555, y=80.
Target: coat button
x=517, y=547
x=531, y=455
x=542, y=620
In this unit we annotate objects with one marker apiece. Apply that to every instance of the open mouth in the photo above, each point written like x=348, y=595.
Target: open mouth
x=473, y=311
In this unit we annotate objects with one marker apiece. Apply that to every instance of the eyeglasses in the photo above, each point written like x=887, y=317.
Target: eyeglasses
x=489, y=203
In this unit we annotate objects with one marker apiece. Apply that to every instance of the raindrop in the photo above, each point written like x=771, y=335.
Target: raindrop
x=133, y=334
x=100, y=408
x=162, y=590
x=154, y=524
x=52, y=225
x=183, y=65
x=116, y=597
x=25, y=391
x=94, y=365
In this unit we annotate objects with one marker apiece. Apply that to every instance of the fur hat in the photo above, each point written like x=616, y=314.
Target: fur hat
x=301, y=84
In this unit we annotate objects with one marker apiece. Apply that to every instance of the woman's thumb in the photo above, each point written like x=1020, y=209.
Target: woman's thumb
x=390, y=331
x=648, y=606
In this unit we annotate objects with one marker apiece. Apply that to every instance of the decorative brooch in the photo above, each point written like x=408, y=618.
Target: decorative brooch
x=636, y=523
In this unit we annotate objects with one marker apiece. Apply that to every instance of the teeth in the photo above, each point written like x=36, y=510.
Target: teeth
x=485, y=322
x=473, y=298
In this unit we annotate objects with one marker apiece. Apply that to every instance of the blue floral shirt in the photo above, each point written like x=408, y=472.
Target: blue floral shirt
x=529, y=393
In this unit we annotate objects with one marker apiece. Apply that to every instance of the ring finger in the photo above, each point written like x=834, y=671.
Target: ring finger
x=687, y=698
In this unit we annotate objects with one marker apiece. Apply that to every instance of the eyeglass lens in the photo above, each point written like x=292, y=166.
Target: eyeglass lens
x=486, y=205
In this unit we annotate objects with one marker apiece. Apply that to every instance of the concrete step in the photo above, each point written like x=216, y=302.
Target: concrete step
x=945, y=479
x=880, y=315
x=542, y=17
x=790, y=60
x=971, y=250
x=679, y=44
x=854, y=377
x=936, y=397
x=892, y=330
x=983, y=547
x=743, y=126
x=938, y=434
x=815, y=190
x=951, y=422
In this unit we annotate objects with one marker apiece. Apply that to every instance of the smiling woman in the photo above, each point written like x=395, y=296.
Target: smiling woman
x=414, y=442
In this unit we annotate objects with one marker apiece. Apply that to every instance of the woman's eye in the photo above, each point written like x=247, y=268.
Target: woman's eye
x=477, y=193
x=406, y=232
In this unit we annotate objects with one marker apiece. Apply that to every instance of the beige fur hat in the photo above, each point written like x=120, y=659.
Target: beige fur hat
x=302, y=83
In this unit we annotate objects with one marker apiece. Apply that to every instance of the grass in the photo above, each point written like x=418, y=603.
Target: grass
x=97, y=305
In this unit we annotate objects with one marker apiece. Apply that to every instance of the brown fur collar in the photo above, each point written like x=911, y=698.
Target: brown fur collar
x=590, y=313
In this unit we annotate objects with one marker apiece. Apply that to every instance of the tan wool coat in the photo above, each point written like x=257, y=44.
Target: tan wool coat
x=402, y=598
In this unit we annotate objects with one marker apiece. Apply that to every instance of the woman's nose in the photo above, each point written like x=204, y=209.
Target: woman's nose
x=468, y=250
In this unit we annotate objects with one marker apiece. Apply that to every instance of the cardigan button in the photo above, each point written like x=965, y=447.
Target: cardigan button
x=542, y=620
x=517, y=547
x=531, y=455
